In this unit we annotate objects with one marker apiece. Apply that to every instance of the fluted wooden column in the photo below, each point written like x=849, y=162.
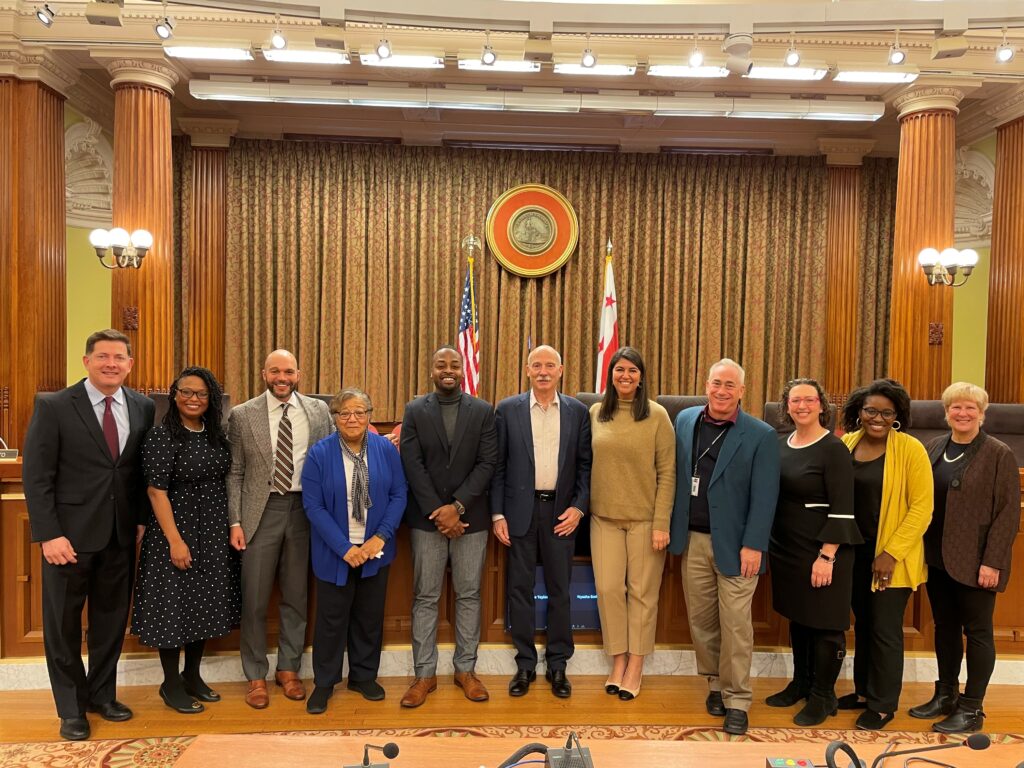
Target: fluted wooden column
x=844, y=158
x=921, y=315
x=33, y=315
x=1004, y=357
x=143, y=299
x=205, y=251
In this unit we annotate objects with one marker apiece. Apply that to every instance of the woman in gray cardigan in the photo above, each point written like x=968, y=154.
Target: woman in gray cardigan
x=968, y=548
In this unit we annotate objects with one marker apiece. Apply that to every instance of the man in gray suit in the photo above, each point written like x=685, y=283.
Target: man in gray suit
x=270, y=435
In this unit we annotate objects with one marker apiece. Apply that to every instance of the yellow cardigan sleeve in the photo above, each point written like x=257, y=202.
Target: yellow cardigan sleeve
x=918, y=502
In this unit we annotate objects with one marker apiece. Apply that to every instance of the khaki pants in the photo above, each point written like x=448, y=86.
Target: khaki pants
x=627, y=573
x=718, y=608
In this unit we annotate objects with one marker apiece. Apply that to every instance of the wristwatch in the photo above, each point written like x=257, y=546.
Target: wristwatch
x=459, y=507
x=827, y=558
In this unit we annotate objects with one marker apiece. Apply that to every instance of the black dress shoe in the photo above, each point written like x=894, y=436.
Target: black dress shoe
x=735, y=722
x=316, y=704
x=74, y=728
x=180, y=701
x=114, y=711
x=520, y=682
x=870, y=720
x=852, y=701
x=560, y=685
x=198, y=689
x=714, y=705
x=370, y=689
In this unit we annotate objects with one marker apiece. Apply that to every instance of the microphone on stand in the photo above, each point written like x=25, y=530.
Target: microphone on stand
x=974, y=741
x=390, y=751
x=7, y=453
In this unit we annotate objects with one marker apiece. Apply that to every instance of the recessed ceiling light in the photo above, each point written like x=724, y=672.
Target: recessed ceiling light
x=502, y=65
x=294, y=56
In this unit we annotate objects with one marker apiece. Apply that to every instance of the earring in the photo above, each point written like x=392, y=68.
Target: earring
x=896, y=425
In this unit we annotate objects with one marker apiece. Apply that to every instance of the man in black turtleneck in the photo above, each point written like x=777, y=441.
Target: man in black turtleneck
x=449, y=451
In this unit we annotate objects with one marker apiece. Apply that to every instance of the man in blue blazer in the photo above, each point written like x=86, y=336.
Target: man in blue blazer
x=539, y=494
x=728, y=465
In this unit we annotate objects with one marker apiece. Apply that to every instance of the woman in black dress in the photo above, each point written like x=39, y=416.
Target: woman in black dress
x=188, y=590
x=812, y=572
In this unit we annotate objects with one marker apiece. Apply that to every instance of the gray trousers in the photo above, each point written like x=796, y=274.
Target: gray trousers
x=279, y=550
x=431, y=551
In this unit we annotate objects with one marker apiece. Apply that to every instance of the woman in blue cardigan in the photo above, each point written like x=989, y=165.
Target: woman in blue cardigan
x=353, y=489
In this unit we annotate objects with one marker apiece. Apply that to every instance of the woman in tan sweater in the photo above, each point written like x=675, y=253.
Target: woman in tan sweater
x=632, y=487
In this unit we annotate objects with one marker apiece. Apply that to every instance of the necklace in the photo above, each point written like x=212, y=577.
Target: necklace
x=197, y=431
x=948, y=460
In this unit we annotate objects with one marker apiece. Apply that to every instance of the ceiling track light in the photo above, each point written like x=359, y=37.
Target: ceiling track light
x=383, y=48
x=1004, y=53
x=45, y=15
x=897, y=55
x=164, y=27
x=792, y=58
x=487, y=55
x=588, y=59
x=696, y=55
x=277, y=40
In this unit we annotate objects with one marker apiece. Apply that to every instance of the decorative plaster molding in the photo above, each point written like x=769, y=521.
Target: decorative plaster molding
x=89, y=175
x=36, y=64
x=144, y=71
x=845, y=151
x=975, y=187
x=982, y=119
x=93, y=100
x=921, y=99
x=209, y=131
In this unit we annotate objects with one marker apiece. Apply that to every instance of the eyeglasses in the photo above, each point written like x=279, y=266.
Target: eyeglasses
x=188, y=394
x=888, y=414
x=357, y=415
x=804, y=400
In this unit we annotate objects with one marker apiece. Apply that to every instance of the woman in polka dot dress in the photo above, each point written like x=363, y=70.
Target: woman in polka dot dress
x=188, y=590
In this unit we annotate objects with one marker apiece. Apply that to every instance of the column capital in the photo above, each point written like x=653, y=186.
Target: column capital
x=210, y=132
x=35, y=63
x=139, y=66
x=845, y=151
x=928, y=98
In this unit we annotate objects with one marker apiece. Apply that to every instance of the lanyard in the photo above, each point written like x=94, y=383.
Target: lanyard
x=706, y=450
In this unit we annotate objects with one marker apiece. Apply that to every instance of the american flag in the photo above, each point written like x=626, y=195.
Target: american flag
x=468, y=346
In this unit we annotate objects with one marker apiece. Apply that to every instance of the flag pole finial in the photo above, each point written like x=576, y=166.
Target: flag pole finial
x=608, y=250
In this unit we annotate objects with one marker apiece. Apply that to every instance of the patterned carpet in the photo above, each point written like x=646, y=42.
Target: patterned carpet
x=163, y=752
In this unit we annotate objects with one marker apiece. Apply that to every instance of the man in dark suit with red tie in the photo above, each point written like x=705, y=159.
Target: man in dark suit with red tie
x=87, y=504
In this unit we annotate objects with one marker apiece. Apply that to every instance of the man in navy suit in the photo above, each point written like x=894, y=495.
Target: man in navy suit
x=87, y=504
x=540, y=492
x=728, y=465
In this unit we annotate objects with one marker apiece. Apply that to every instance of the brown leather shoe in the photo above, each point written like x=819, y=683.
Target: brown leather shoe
x=293, y=687
x=471, y=686
x=257, y=696
x=419, y=690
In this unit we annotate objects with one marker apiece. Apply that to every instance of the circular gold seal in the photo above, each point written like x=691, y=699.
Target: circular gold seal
x=531, y=229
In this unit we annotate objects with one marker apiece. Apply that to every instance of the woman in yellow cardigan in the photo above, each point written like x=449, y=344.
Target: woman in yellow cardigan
x=892, y=497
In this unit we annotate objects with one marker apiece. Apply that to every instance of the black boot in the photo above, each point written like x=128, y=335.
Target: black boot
x=800, y=686
x=968, y=717
x=942, y=703
x=818, y=707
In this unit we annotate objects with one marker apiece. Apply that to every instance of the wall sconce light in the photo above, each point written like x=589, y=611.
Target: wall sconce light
x=943, y=268
x=123, y=249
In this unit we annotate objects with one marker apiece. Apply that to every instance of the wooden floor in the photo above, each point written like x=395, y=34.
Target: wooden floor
x=29, y=715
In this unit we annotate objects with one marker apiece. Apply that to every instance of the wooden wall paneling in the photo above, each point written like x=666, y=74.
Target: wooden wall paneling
x=143, y=299
x=8, y=229
x=207, y=260
x=843, y=275
x=1005, y=345
x=920, y=346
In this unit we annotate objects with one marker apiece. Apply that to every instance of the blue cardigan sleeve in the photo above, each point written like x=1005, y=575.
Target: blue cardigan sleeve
x=398, y=489
x=319, y=473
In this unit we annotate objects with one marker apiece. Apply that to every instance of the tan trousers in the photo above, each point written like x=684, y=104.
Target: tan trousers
x=718, y=608
x=627, y=572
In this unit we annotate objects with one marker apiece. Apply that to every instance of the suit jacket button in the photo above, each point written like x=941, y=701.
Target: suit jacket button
x=955, y=483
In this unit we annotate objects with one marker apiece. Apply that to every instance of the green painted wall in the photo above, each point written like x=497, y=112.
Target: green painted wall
x=970, y=306
x=88, y=287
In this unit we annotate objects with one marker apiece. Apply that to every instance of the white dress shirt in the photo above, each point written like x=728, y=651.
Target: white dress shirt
x=546, y=426
x=119, y=407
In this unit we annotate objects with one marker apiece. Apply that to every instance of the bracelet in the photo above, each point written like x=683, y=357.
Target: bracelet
x=830, y=559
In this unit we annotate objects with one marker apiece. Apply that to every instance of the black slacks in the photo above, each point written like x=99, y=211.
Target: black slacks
x=555, y=553
x=105, y=578
x=960, y=610
x=878, y=633
x=349, y=618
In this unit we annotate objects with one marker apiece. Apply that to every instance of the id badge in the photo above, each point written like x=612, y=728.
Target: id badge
x=694, y=485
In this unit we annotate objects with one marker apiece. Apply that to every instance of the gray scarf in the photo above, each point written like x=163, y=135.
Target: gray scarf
x=360, y=479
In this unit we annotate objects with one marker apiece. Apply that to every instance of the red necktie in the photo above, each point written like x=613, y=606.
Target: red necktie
x=110, y=429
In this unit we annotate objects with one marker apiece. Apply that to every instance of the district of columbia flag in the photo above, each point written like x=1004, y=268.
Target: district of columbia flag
x=468, y=346
x=608, y=332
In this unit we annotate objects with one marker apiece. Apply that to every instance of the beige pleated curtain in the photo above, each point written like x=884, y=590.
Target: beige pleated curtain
x=349, y=255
